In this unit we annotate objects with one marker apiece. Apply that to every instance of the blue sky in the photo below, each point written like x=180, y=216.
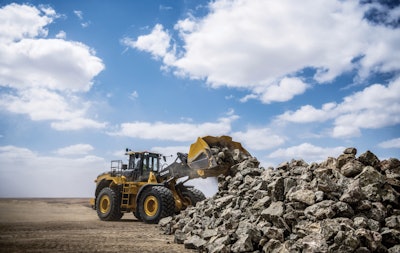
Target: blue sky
x=82, y=80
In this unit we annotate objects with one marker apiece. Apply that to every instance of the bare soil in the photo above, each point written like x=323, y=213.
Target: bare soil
x=71, y=225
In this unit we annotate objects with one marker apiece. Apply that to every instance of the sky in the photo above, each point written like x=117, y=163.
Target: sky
x=80, y=81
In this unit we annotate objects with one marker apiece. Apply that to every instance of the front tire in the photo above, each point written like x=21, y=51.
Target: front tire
x=193, y=195
x=108, y=205
x=155, y=204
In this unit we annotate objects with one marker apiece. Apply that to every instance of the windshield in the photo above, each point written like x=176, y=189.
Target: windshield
x=151, y=163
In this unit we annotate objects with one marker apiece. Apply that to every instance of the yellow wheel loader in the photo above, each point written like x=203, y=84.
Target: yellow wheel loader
x=151, y=191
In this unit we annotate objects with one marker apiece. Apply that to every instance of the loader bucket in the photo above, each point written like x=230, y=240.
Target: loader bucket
x=204, y=155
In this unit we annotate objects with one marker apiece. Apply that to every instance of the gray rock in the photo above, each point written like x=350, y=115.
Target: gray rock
x=262, y=203
x=212, y=248
x=272, y=246
x=352, y=168
x=304, y=196
x=320, y=210
x=394, y=249
x=274, y=233
x=179, y=237
x=274, y=211
x=276, y=189
x=343, y=209
x=360, y=222
x=208, y=233
x=343, y=159
x=391, y=237
x=369, y=159
x=313, y=243
x=194, y=242
x=371, y=240
x=353, y=193
x=346, y=241
x=244, y=244
x=393, y=221
x=350, y=151
x=319, y=196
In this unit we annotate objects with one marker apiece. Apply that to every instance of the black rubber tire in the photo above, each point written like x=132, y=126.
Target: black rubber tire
x=156, y=203
x=137, y=215
x=108, y=204
x=193, y=195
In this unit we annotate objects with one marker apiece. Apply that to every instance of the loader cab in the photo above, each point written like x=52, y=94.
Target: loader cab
x=141, y=164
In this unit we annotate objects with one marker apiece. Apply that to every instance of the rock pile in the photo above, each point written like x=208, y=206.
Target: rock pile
x=343, y=204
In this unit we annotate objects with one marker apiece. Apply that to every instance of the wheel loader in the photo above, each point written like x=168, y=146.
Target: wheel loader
x=151, y=191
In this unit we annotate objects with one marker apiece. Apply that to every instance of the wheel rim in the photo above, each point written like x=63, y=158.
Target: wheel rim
x=105, y=204
x=150, y=206
x=188, y=200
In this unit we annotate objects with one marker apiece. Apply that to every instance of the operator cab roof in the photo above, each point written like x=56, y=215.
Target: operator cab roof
x=130, y=152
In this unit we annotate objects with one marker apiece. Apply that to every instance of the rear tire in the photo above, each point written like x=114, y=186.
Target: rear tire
x=193, y=195
x=155, y=204
x=108, y=205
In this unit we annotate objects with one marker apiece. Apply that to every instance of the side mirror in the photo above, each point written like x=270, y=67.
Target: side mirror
x=165, y=159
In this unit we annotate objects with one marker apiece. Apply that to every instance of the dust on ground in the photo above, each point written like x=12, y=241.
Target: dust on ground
x=70, y=225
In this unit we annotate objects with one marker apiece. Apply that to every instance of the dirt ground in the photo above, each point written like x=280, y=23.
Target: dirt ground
x=70, y=225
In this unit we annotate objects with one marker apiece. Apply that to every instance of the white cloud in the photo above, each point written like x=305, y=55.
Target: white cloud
x=170, y=152
x=157, y=42
x=79, y=14
x=21, y=21
x=50, y=63
x=254, y=44
x=47, y=176
x=134, y=95
x=307, y=152
x=258, y=138
x=284, y=90
x=77, y=124
x=374, y=107
x=40, y=104
x=393, y=143
x=61, y=35
x=44, y=75
x=174, y=131
x=77, y=149
x=66, y=111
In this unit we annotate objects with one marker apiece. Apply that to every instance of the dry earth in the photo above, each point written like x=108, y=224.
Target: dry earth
x=70, y=225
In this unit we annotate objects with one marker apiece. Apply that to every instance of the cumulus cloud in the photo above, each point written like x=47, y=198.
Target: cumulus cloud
x=78, y=123
x=43, y=75
x=61, y=35
x=28, y=22
x=374, y=107
x=393, y=143
x=157, y=42
x=284, y=90
x=77, y=149
x=307, y=152
x=255, y=44
x=258, y=138
x=66, y=172
x=174, y=131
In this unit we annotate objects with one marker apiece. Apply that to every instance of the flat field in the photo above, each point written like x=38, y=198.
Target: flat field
x=70, y=225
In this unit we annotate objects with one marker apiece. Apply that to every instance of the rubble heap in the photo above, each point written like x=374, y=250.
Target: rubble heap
x=343, y=204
